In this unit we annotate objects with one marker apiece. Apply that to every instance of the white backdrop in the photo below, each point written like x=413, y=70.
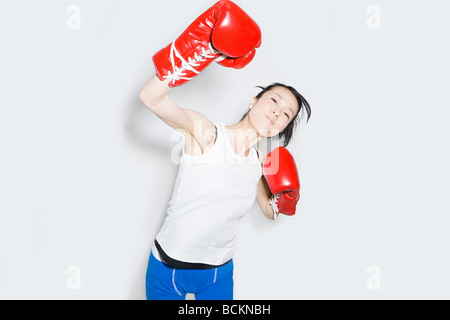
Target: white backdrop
x=86, y=175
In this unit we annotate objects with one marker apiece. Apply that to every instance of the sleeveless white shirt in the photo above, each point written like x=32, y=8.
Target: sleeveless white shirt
x=212, y=192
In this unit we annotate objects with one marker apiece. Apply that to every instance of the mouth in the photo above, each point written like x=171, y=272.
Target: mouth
x=271, y=121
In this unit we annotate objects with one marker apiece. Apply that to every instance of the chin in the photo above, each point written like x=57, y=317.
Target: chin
x=263, y=130
x=268, y=132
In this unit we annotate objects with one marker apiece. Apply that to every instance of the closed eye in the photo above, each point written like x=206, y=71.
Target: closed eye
x=287, y=115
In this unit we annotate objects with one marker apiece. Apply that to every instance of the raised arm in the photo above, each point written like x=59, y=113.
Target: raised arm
x=224, y=33
x=192, y=124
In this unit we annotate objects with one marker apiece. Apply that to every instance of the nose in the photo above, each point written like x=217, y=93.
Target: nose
x=275, y=113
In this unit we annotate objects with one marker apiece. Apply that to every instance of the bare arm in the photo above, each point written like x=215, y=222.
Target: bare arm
x=191, y=123
x=263, y=194
x=263, y=197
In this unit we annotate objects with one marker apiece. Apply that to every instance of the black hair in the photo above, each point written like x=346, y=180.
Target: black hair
x=286, y=134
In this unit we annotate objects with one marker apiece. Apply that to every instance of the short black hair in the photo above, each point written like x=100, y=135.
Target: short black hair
x=286, y=134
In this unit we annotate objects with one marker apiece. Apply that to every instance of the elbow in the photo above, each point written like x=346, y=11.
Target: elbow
x=154, y=92
x=150, y=101
x=144, y=98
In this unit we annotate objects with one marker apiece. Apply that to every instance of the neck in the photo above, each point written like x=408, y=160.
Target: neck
x=243, y=136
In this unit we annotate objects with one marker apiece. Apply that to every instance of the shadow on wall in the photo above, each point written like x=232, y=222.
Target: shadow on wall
x=151, y=136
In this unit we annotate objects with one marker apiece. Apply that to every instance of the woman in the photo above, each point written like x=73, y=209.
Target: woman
x=220, y=174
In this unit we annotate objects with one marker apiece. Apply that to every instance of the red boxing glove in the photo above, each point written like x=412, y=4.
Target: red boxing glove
x=281, y=175
x=224, y=32
x=238, y=63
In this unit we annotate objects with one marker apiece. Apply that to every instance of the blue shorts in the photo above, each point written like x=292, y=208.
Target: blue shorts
x=164, y=282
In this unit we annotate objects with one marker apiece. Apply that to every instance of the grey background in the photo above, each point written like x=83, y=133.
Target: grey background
x=86, y=175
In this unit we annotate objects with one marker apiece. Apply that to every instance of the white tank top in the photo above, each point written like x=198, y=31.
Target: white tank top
x=212, y=193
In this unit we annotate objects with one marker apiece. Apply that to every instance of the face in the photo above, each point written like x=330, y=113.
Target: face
x=271, y=114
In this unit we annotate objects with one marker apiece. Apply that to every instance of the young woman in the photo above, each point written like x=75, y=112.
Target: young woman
x=221, y=172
